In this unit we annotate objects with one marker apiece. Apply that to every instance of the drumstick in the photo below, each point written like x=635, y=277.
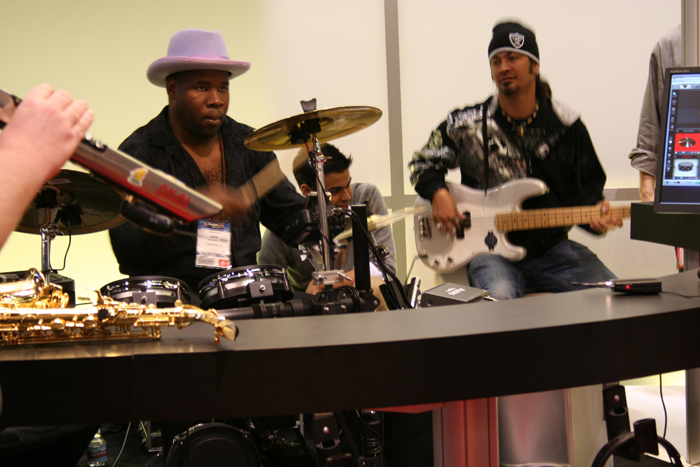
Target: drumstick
x=265, y=180
x=377, y=222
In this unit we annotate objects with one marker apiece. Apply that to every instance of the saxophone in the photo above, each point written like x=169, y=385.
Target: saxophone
x=33, y=311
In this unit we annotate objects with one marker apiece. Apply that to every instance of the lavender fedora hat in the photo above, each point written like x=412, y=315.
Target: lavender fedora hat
x=194, y=49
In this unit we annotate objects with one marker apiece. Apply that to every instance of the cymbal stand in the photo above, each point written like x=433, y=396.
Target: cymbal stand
x=47, y=199
x=306, y=132
x=318, y=159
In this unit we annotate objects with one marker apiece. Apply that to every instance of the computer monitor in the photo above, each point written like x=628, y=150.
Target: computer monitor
x=678, y=166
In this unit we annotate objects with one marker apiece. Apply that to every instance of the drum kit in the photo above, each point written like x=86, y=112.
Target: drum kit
x=74, y=203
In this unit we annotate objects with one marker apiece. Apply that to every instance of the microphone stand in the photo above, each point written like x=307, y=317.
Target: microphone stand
x=363, y=283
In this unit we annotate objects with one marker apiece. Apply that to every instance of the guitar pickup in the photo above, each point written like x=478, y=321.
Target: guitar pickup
x=425, y=229
x=465, y=223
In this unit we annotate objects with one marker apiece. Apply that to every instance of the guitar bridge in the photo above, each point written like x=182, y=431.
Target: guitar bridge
x=425, y=228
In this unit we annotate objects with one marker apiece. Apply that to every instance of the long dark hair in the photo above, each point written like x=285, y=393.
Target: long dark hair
x=542, y=88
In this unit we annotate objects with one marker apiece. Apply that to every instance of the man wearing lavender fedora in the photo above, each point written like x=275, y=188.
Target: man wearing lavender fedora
x=194, y=140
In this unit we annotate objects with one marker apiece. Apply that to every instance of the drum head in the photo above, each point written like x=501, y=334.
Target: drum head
x=213, y=445
x=160, y=291
x=243, y=286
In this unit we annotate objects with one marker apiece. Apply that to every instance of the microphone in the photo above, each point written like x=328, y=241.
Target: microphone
x=147, y=219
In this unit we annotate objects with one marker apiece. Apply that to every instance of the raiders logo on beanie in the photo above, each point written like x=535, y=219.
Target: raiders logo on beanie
x=514, y=37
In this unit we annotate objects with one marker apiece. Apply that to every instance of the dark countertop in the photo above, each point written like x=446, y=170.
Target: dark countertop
x=330, y=363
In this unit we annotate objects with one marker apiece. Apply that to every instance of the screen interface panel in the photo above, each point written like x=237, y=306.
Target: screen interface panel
x=680, y=172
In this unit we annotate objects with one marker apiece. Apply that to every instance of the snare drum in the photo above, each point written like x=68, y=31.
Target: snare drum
x=160, y=291
x=240, y=287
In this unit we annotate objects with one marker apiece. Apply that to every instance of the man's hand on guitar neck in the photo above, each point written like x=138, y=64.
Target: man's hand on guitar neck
x=606, y=221
x=445, y=213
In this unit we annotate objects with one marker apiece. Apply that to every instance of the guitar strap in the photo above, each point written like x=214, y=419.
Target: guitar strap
x=484, y=137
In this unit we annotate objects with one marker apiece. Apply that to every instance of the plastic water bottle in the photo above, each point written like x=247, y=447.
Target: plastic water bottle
x=97, y=451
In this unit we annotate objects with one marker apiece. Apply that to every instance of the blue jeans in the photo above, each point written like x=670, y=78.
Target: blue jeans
x=564, y=263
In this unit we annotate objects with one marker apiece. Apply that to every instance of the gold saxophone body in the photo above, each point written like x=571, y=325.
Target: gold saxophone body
x=33, y=311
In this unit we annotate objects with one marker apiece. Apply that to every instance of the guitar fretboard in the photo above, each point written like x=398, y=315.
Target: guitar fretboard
x=556, y=217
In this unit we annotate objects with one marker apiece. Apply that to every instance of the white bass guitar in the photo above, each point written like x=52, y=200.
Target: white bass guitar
x=489, y=218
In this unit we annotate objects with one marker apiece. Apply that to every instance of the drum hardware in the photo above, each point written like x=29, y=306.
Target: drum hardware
x=413, y=290
x=334, y=301
x=314, y=126
x=326, y=124
x=316, y=157
x=302, y=228
x=395, y=295
x=361, y=252
x=392, y=290
x=330, y=277
x=157, y=291
x=151, y=439
x=279, y=440
x=213, y=445
x=326, y=435
x=243, y=286
x=317, y=126
x=72, y=203
x=327, y=427
x=371, y=429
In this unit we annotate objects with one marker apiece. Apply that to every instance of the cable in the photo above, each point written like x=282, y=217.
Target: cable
x=625, y=441
x=65, y=256
x=123, y=444
x=680, y=295
x=410, y=269
x=663, y=404
x=70, y=240
x=187, y=448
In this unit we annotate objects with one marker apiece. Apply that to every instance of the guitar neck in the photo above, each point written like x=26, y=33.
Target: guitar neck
x=555, y=217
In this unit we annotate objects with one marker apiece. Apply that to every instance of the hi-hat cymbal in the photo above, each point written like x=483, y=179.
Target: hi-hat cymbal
x=377, y=222
x=70, y=192
x=326, y=124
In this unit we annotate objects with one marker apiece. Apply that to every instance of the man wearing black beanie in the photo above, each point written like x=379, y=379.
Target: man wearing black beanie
x=528, y=135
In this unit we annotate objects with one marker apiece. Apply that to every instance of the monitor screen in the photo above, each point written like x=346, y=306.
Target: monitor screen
x=678, y=166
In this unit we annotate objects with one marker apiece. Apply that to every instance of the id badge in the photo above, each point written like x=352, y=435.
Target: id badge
x=213, y=244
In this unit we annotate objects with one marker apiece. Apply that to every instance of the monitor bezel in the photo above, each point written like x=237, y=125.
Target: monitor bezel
x=659, y=205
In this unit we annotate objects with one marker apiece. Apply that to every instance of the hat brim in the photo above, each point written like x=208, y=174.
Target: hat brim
x=164, y=67
x=513, y=50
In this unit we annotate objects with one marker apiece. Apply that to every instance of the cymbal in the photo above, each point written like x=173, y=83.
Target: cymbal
x=74, y=191
x=377, y=222
x=326, y=124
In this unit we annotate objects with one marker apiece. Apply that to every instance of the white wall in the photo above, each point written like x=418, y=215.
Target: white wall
x=594, y=53
x=99, y=50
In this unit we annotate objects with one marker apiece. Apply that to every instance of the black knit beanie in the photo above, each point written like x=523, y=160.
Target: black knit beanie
x=514, y=37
